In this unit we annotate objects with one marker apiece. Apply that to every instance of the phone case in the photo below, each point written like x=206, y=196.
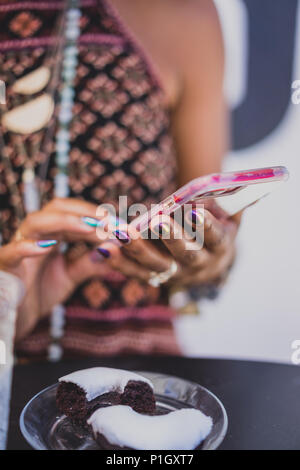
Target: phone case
x=232, y=191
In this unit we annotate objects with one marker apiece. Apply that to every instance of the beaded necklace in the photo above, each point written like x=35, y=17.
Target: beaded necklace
x=61, y=186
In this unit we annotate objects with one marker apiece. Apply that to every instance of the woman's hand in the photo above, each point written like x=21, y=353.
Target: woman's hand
x=34, y=257
x=209, y=264
x=196, y=264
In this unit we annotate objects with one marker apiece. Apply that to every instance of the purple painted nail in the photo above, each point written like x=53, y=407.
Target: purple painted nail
x=46, y=243
x=196, y=217
x=105, y=253
x=122, y=236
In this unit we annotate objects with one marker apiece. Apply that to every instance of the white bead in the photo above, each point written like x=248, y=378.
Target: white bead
x=55, y=352
x=63, y=159
x=70, y=62
x=61, y=185
x=65, y=116
x=63, y=135
x=72, y=32
x=71, y=51
x=57, y=321
x=62, y=147
x=67, y=93
x=66, y=104
x=74, y=13
x=69, y=74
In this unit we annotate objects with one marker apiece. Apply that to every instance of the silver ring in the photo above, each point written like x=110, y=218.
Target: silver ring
x=156, y=279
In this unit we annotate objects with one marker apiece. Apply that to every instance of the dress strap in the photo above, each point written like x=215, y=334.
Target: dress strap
x=135, y=43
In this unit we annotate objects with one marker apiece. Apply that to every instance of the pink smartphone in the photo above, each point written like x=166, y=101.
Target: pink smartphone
x=232, y=192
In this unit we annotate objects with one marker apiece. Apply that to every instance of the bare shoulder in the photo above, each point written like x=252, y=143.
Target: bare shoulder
x=191, y=29
x=192, y=10
x=191, y=18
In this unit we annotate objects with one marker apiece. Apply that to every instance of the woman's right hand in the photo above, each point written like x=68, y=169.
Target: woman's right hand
x=34, y=257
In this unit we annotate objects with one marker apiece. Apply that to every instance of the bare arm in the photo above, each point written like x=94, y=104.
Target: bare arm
x=200, y=120
x=200, y=128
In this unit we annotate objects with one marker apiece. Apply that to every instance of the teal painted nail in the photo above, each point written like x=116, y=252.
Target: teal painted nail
x=91, y=221
x=46, y=243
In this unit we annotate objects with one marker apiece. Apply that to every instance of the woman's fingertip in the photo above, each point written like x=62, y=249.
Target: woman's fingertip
x=46, y=243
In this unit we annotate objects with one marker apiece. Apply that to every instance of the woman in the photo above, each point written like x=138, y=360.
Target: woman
x=148, y=115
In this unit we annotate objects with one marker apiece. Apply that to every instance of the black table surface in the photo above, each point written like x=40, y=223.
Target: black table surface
x=262, y=400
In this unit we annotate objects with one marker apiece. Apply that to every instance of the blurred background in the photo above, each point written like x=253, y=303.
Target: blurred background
x=257, y=315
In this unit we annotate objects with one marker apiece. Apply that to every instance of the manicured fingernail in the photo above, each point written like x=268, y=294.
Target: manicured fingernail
x=196, y=217
x=122, y=236
x=46, y=243
x=105, y=253
x=162, y=229
x=91, y=221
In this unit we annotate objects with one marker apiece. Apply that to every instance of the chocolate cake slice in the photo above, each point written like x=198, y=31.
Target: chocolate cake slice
x=121, y=428
x=81, y=393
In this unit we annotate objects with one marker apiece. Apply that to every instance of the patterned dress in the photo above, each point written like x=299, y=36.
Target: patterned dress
x=120, y=145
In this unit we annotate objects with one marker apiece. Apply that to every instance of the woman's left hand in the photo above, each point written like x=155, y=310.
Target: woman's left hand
x=196, y=264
